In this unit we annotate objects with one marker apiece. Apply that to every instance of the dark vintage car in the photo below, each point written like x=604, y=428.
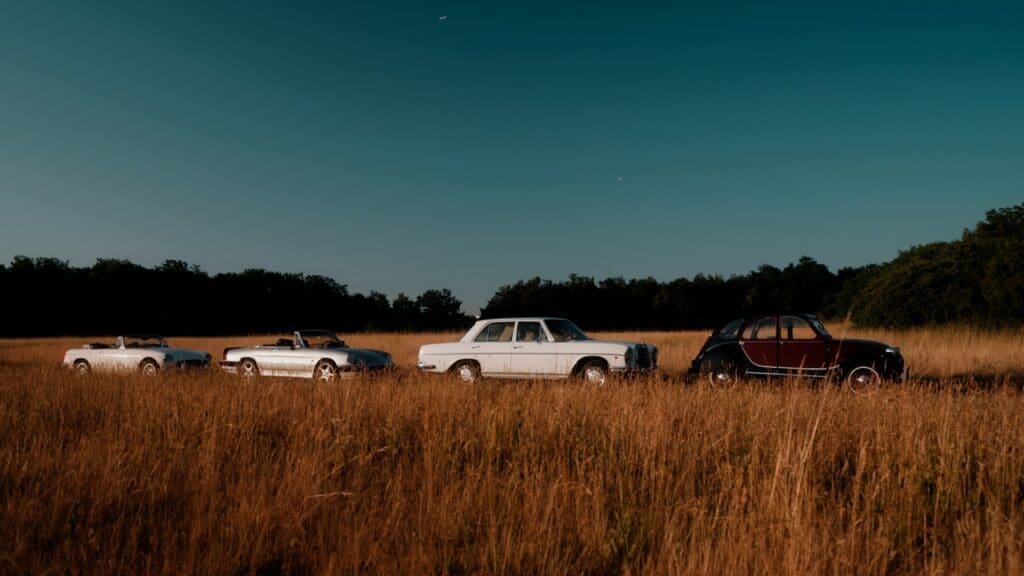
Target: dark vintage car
x=794, y=345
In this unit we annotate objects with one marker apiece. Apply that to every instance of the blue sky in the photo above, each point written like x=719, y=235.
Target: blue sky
x=393, y=150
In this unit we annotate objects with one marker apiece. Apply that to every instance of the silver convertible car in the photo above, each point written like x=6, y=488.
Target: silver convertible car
x=535, y=348
x=146, y=353
x=317, y=354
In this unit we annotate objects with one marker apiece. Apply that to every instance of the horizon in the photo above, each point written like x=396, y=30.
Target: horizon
x=394, y=150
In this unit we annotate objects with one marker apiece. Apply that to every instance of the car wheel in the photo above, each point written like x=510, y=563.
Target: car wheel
x=862, y=377
x=82, y=368
x=325, y=371
x=149, y=367
x=247, y=368
x=720, y=374
x=594, y=372
x=467, y=371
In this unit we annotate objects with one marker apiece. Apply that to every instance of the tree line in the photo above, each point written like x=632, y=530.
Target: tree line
x=977, y=279
x=47, y=296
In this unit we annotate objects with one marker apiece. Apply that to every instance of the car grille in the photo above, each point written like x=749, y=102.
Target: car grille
x=644, y=357
x=186, y=364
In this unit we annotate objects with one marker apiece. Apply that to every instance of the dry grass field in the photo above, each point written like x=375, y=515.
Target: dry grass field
x=407, y=474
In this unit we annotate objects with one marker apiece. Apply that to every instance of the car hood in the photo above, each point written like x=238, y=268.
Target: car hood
x=369, y=357
x=861, y=344
x=183, y=353
x=617, y=342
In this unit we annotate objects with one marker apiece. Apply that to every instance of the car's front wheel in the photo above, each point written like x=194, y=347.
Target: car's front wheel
x=149, y=367
x=861, y=378
x=467, y=371
x=594, y=372
x=720, y=374
x=82, y=368
x=325, y=371
x=247, y=368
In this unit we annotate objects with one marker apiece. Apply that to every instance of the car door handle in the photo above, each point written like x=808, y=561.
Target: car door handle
x=474, y=347
x=516, y=347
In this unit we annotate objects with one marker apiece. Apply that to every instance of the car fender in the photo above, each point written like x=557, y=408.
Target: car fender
x=721, y=355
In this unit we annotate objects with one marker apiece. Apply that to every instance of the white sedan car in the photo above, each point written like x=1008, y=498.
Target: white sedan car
x=317, y=354
x=147, y=354
x=535, y=348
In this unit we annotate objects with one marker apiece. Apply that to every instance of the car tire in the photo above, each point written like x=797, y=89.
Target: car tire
x=594, y=372
x=467, y=371
x=861, y=378
x=721, y=374
x=82, y=368
x=325, y=371
x=149, y=367
x=247, y=368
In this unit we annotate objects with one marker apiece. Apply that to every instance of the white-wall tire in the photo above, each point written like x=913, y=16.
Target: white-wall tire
x=861, y=378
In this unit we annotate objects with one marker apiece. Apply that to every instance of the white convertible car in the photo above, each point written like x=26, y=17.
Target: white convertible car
x=317, y=354
x=146, y=353
x=535, y=348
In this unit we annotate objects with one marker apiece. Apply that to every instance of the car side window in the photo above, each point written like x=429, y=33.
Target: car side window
x=763, y=329
x=528, y=332
x=496, y=332
x=730, y=330
x=793, y=328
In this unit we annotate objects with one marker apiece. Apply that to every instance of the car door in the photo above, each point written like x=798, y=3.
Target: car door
x=110, y=358
x=801, y=349
x=301, y=361
x=492, y=348
x=760, y=343
x=533, y=354
x=278, y=360
x=121, y=356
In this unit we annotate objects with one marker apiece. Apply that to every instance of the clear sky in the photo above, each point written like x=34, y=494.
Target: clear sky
x=400, y=146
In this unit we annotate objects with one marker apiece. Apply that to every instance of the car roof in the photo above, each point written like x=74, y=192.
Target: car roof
x=752, y=317
x=520, y=319
x=766, y=314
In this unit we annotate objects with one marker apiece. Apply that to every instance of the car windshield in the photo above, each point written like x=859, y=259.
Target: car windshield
x=144, y=342
x=730, y=330
x=565, y=331
x=322, y=340
x=820, y=328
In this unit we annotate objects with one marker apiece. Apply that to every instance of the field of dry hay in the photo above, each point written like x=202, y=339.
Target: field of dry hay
x=204, y=473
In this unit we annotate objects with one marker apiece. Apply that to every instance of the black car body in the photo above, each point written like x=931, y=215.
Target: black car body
x=794, y=345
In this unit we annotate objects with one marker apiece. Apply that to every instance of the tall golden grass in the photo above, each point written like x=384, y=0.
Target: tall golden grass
x=205, y=473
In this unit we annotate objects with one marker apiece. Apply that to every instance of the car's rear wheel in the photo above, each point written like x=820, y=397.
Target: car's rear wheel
x=467, y=371
x=862, y=378
x=247, y=368
x=594, y=372
x=325, y=371
x=149, y=367
x=82, y=368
